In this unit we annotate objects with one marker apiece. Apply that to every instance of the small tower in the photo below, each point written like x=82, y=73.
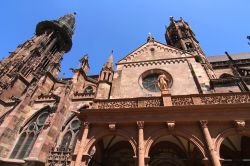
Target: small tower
x=105, y=79
x=40, y=54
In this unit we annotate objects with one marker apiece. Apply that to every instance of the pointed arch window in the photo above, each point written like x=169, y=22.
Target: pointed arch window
x=71, y=134
x=29, y=135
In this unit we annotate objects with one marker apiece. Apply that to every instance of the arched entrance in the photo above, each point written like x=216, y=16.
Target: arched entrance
x=235, y=151
x=173, y=150
x=112, y=150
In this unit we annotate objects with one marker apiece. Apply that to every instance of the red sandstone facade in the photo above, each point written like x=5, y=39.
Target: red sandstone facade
x=163, y=105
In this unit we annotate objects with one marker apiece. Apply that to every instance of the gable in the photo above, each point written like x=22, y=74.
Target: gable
x=153, y=51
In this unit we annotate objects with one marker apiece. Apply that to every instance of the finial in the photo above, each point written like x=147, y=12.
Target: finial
x=109, y=63
x=149, y=34
x=171, y=18
x=150, y=37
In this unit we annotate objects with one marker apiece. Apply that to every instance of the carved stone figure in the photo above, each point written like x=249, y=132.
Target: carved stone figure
x=163, y=82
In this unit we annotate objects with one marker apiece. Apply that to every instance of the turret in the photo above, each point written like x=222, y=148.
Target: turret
x=107, y=71
x=105, y=79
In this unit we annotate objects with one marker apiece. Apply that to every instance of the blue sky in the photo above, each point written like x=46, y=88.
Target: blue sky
x=123, y=25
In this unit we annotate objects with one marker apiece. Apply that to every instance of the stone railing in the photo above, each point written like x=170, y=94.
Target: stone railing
x=128, y=103
x=59, y=158
x=182, y=100
x=47, y=98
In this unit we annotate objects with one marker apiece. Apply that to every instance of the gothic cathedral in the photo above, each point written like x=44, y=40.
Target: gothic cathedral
x=165, y=104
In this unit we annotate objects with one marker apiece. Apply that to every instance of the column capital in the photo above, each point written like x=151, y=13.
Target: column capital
x=170, y=125
x=203, y=123
x=85, y=125
x=112, y=126
x=140, y=124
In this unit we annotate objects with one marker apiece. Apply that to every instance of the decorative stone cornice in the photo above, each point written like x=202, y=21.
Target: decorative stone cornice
x=180, y=100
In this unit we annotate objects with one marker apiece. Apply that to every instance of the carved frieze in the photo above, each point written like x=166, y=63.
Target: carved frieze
x=226, y=99
x=182, y=101
x=153, y=102
x=117, y=104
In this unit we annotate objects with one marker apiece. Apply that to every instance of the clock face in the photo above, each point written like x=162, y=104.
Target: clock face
x=150, y=83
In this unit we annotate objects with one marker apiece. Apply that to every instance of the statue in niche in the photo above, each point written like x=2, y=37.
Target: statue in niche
x=163, y=82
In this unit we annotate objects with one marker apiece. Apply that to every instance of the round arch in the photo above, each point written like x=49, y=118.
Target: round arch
x=182, y=133
x=118, y=132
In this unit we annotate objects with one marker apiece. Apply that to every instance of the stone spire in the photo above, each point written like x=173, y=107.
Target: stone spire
x=64, y=27
x=109, y=64
x=68, y=21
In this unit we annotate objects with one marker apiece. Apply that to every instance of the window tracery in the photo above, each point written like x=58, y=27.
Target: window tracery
x=29, y=135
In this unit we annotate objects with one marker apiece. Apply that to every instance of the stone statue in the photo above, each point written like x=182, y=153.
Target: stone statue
x=163, y=82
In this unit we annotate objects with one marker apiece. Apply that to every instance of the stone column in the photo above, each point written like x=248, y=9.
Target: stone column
x=210, y=144
x=141, y=161
x=82, y=145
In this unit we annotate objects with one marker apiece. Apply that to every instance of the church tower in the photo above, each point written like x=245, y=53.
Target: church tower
x=179, y=34
x=38, y=55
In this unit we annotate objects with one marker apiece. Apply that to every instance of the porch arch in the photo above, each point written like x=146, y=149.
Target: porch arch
x=181, y=133
x=226, y=133
x=96, y=137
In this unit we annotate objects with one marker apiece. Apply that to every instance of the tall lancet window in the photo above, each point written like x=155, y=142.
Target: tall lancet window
x=29, y=135
x=70, y=135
